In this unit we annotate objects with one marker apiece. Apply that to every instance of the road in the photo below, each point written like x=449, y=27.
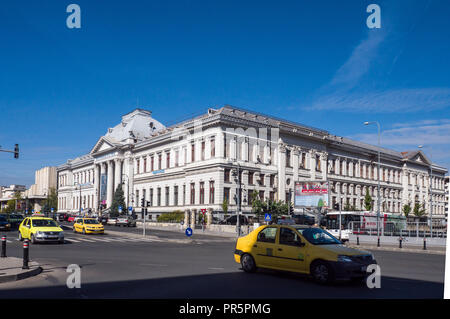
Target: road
x=168, y=265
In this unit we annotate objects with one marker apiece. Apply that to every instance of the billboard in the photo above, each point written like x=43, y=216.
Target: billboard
x=311, y=194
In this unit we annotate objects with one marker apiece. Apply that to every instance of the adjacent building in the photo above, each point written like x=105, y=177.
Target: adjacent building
x=194, y=165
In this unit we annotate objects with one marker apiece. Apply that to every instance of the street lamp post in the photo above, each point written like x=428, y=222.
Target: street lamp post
x=128, y=189
x=431, y=190
x=378, y=186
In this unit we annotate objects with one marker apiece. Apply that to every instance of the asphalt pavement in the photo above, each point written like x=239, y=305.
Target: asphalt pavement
x=166, y=265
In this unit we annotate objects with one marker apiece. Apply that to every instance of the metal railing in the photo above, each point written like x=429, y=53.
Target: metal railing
x=407, y=229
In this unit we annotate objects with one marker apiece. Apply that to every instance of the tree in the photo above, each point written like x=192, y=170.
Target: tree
x=418, y=210
x=225, y=206
x=51, y=201
x=368, y=201
x=10, y=206
x=118, y=200
x=406, y=209
x=257, y=204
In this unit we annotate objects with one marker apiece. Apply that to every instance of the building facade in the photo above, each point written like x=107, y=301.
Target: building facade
x=193, y=165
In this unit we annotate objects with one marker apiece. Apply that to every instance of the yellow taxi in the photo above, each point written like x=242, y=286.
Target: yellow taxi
x=40, y=229
x=88, y=226
x=302, y=249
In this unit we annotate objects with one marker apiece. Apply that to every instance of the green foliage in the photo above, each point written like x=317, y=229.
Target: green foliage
x=118, y=200
x=51, y=201
x=10, y=206
x=406, y=209
x=173, y=217
x=368, y=201
x=225, y=206
x=418, y=210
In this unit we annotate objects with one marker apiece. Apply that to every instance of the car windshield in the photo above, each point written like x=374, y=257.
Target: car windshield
x=90, y=221
x=16, y=216
x=2, y=219
x=318, y=236
x=43, y=223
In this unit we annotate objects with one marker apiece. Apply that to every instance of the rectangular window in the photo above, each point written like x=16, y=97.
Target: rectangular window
x=167, y=159
x=158, y=196
x=213, y=148
x=303, y=160
x=211, y=192
x=261, y=179
x=137, y=166
x=288, y=158
x=167, y=195
x=151, y=197
x=261, y=195
x=226, y=194
x=175, y=195
x=227, y=175
x=203, y=151
x=192, y=152
x=145, y=164
x=152, y=163
x=184, y=194
x=202, y=192
x=159, y=161
x=272, y=180
x=272, y=196
x=177, y=154
x=250, y=177
x=318, y=164
x=138, y=202
x=192, y=193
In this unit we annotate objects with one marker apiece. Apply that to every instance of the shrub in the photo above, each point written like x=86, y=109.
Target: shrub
x=173, y=217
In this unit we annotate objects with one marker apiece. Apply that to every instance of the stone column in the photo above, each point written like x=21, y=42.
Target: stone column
x=312, y=164
x=193, y=217
x=117, y=173
x=209, y=216
x=187, y=217
x=96, y=187
x=282, y=172
x=295, y=153
x=110, y=191
x=323, y=164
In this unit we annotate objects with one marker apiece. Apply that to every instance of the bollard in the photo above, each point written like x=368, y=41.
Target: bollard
x=424, y=243
x=378, y=242
x=400, y=243
x=25, y=255
x=357, y=240
x=3, y=246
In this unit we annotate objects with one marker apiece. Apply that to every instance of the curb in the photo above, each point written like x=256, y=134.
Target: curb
x=23, y=275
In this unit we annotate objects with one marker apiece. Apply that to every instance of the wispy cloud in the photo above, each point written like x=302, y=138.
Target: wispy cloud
x=408, y=136
x=395, y=100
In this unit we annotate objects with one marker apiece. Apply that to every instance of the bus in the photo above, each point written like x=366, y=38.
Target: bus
x=363, y=223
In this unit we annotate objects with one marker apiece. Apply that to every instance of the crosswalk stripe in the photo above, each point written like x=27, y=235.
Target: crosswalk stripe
x=72, y=240
x=85, y=239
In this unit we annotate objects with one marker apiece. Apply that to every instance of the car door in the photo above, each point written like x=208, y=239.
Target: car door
x=264, y=247
x=24, y=228
x=78, y=225
x=291, y=250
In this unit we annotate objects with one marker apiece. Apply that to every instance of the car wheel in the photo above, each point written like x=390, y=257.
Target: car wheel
x=84, y=231
x=33, y=240
x=74, y=229
x=322, y=272
x=61, y=241
x=20, y=236
x=248, y=263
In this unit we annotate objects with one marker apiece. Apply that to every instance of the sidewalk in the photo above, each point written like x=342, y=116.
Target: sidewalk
x=11, y=269
x=405, y=248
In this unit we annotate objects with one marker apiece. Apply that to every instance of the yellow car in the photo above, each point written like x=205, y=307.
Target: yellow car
x=40, y=229
x=302, y=249
x=88, y=226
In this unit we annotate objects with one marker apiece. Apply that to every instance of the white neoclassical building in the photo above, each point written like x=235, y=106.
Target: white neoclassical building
x=190, y=165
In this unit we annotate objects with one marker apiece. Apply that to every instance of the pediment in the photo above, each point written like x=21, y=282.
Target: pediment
x=103, y=145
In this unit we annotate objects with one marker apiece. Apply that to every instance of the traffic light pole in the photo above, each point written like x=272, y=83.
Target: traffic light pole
x=16, y=151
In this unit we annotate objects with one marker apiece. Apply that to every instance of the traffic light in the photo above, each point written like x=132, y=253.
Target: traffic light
x=291, y=209
x=16, y=151
x=336, y=206
x=148, y=203
x=143, y=202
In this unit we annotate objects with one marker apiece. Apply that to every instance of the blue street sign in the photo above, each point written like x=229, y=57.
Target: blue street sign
x=130, y=209
x=188, y=232
x=52, y=209
x=120, y=209
x=267, y=217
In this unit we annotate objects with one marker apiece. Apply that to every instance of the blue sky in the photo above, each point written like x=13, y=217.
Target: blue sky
x=314, y=62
